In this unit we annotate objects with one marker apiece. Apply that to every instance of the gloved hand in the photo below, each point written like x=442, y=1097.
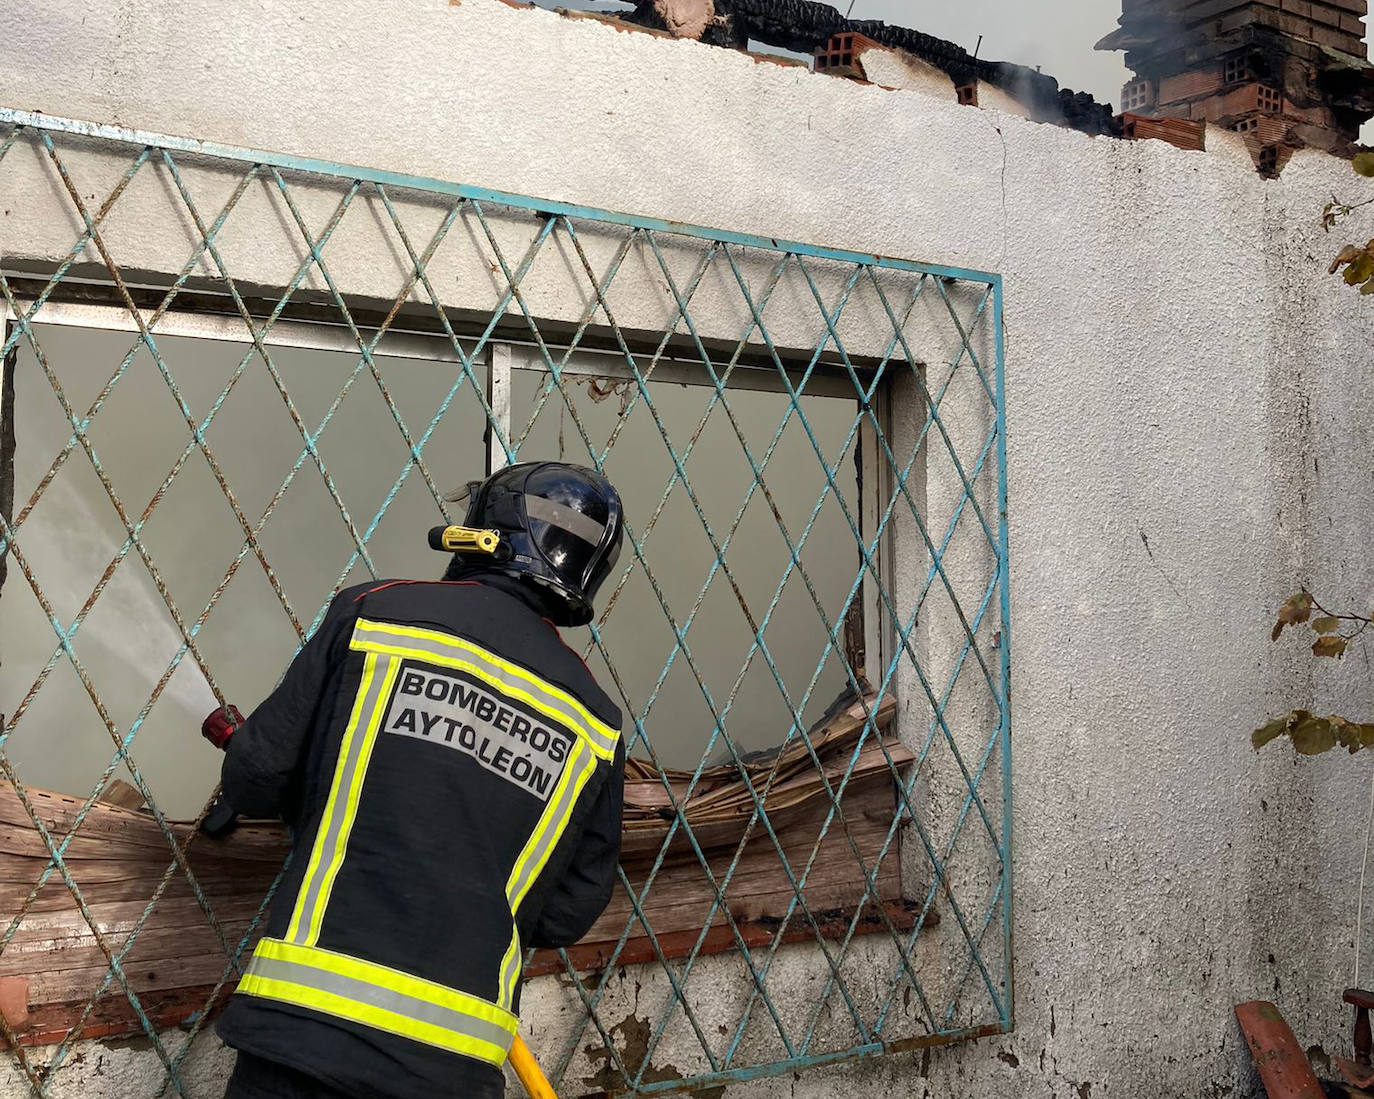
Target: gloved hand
x=218, y=727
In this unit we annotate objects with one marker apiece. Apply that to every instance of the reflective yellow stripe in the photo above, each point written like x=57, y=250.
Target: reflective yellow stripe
x=537, y=851
x=342, y=1007
x=555, y=819
x=355, y=789
x=385, y=645
x=510, y=970
x=341, y=808
x=380, y=997
x=435, y=647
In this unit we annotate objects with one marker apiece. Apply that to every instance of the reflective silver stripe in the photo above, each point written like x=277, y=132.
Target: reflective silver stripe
x=307, y=918
x=512, y=680
x=311, y=978
x=564, y=518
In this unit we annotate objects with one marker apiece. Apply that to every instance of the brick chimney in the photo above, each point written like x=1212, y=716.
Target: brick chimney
x=1285, y=73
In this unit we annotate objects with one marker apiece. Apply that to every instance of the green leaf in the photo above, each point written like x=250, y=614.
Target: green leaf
x=1272, y=731
x=1344, y=256
x=1327, y=624
x=1313, y=735
x=1360, y=269
x=1363, y=163
x=1329, y=645
x=1298, y=608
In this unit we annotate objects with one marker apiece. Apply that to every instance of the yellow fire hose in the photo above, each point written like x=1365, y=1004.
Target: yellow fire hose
x=531, y=1075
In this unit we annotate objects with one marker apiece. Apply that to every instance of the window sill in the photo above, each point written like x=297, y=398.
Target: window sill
x=832, y=925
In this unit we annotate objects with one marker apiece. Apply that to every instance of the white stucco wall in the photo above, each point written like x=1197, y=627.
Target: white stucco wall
x=1188, y=411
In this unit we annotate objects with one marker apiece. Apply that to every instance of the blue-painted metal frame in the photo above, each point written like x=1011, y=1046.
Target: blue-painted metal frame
x=1004, y=553
x=268, y=166
x=406, y=181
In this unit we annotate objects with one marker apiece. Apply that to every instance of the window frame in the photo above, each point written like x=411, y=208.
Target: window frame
x=502, y=357
x=8, y=446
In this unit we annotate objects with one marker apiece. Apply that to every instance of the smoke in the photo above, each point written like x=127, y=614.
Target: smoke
x=129, y=638
x=1017, y=33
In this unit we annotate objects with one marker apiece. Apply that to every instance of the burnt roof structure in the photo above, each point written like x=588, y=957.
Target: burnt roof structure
x=804, y=26
x=1286, y=73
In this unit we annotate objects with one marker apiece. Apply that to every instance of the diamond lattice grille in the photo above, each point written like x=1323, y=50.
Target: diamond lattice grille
x=239, y=386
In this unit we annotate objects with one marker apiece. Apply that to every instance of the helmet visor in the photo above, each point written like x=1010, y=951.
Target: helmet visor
x=568, y=538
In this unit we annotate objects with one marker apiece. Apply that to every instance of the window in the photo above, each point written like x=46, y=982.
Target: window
x=193, y=537
x=309, y=512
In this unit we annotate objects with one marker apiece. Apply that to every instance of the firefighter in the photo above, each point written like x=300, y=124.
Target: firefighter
x=453, y=779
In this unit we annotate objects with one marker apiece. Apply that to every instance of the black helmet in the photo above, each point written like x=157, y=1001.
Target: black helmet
x=563, y=526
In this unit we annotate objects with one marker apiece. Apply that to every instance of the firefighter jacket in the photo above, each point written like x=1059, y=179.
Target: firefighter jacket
x=453, y=779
